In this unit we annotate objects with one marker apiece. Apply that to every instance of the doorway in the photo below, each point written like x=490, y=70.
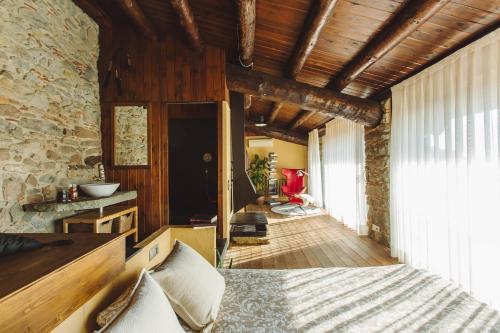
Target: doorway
x=193, y=161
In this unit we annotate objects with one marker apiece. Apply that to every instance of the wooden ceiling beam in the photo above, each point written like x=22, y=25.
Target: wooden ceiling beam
x=316, y=21
x=188, y=23
x=135, y=12
x=384, y=93
x=94, y=10
x=412, y=16
x=273, y=113
x=275, y=133
x=325, y=101
x=301, y=118
x=246, y=31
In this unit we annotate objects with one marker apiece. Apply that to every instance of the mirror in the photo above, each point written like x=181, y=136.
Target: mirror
x=130, y=140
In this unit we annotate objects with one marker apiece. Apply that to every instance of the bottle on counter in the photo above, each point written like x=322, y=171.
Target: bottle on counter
x=62, y=196
x=74, y=192
x=70, y=192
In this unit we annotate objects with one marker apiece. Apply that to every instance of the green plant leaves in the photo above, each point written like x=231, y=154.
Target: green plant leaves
x=258, y=172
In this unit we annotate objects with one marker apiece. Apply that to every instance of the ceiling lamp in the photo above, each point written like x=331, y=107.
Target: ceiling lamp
x=261, y=122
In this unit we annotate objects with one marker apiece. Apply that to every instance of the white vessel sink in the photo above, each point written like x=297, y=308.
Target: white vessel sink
x=99, y=190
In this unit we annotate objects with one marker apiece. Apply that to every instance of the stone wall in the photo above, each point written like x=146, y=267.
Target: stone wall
x=377, y=142
x=49, y=106
x=131, y=135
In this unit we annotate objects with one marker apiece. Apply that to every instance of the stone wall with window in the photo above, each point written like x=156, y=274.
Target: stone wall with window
x=377, y=149
x=49, y=106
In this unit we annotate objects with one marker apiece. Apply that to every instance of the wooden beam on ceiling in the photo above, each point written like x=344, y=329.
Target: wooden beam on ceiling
x=318, y=17
x=412, y=16
x=94, y=10
x=327, y=120
x=384, y=93
x=187, y=21
x=273, y=113
x=246, y=31
x=301, y=118
x=275, y=133
x=316, y=21
x=325, y=101
x=135, y=12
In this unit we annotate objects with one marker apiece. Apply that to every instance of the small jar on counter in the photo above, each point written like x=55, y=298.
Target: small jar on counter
x=73, y=192
x=62, y=196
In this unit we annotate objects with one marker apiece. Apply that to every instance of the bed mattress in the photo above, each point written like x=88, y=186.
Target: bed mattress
x=394, y=298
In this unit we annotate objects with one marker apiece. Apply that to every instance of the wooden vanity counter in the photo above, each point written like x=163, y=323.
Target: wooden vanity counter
x=40, y=288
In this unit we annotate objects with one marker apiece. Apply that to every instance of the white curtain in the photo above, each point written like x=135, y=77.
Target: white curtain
x=445, y=171
x=314, y=164
x=344, y=158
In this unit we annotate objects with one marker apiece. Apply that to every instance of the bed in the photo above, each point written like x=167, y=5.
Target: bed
x=394, y=298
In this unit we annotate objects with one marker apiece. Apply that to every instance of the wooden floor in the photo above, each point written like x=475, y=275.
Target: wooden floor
x=306, y=242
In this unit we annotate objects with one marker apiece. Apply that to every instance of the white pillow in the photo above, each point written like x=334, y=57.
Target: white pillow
x=193, y=286
x=147, y=311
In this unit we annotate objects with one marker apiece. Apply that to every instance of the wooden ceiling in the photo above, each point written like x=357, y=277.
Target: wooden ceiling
x=353, y=24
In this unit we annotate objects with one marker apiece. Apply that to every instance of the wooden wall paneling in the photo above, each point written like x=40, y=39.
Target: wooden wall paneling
x=191, y=77
x=182, y=68
x=105, y=40
x=105, y=136
x=179, y=74
x=202, y=80
x=216, y=76
x=163, y=71
x=187, y=70
x=168, y=70
x=156, y=83
x=222, y=91
x=142, y=82
x=129, y=176
x=208, y=74
x=195, y=76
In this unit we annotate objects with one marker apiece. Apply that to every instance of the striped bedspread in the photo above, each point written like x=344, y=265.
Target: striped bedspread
x=394, y=298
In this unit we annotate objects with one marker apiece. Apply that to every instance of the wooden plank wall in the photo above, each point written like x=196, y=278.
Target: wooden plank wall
x=163, y=72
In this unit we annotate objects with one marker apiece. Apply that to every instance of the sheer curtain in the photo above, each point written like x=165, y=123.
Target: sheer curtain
x=314, y=163
x=445, y=171
x=344, y=158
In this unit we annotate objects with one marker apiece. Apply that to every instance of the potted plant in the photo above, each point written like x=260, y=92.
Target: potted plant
x=258, y=172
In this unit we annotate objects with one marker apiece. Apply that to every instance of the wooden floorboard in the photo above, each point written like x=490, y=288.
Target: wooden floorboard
x=307, y=242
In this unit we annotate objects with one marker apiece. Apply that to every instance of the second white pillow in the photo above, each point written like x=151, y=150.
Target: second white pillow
x=148, y=310
x=193, y=286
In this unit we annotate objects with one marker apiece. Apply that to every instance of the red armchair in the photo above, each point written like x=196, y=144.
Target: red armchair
x=294, y=184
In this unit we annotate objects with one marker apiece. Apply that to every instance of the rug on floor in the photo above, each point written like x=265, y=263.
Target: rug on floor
x=295, y=210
